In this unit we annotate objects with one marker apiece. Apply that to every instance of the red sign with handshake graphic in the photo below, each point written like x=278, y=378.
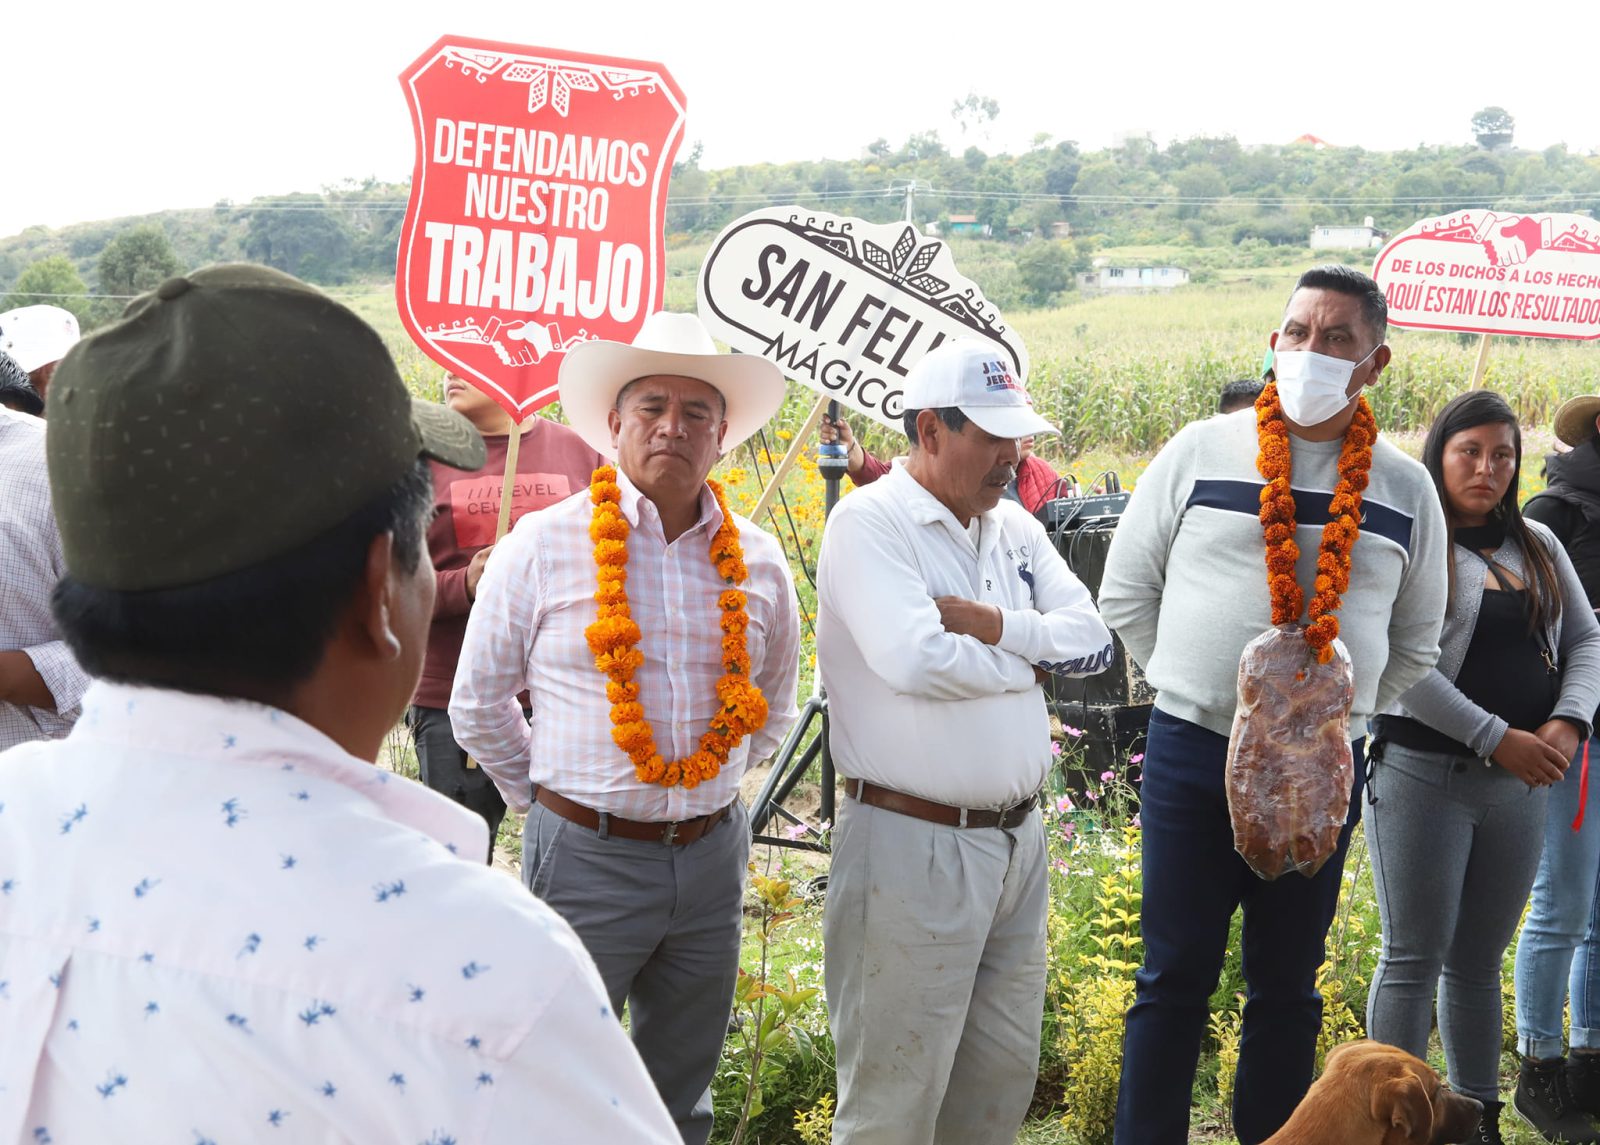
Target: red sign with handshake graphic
x=1536, y=276
x=537, y=212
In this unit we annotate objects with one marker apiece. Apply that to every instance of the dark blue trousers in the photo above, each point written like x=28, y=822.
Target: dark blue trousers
x=1193, y=882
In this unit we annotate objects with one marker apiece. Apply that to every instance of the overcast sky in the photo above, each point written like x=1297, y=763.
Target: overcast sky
x=117, y=109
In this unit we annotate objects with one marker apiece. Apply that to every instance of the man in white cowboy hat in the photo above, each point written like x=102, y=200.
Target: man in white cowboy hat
x=630, y=776
x=941, y=607
x=37, y=337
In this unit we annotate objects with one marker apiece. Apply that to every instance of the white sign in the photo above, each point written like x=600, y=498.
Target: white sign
x=1537, y=276
x=843, y=306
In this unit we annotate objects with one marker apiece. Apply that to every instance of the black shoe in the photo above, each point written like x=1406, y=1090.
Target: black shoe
x=1543, y=1100
x=1583, y=1082
x=1488, y=1130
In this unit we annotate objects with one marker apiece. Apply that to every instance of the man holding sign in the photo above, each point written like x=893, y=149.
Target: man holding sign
x=552, y=463
x=658, y=638
x=941, y=607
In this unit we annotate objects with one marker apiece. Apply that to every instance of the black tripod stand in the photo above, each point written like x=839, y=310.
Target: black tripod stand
x=807, y=741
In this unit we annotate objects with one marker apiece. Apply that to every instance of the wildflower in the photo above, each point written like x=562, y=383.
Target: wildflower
x=1136, y=823
x=1067, y=831
x=1091, y=795
x=1055, y=747
x=1059, y=864
x=1107, y=776
x=1064, y=803
x=794, y=831
x=1132, y=759
x=1072, y=731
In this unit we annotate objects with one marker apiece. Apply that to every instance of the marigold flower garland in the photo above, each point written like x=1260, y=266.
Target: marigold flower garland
x=1338, y=535
x=614, y=638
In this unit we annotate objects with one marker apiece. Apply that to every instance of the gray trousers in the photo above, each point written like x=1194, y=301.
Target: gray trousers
x=663, y=924
x=1455, y=846
x=934, y=953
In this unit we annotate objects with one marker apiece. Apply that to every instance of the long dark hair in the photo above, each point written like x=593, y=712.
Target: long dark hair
x=1468, y=411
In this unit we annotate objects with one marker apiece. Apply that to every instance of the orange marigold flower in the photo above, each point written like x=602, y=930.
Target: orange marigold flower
x=620, y=661
x=614, y=636
x=631, y=712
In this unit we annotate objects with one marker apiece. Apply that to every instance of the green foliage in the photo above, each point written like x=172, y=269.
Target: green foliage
x=137, y=260
x=52, y=281
x=296, y=235
x=768, y=1012
x=1045, y=268
x=1493, y=127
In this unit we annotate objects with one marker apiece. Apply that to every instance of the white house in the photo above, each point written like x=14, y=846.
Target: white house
x=1105, y=277
x=1364, y=237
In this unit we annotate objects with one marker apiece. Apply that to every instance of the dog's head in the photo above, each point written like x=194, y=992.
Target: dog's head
x=1406, y=1099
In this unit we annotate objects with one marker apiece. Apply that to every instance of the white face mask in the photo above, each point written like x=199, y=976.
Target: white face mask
x=1313, y=387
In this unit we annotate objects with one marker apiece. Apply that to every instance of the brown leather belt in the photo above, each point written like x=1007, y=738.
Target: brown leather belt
x=940, y=813
x=675, y=834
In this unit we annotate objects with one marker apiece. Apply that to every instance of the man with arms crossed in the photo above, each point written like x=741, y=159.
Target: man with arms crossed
x=630, y=776
x=1185, y=588
x=941, y=607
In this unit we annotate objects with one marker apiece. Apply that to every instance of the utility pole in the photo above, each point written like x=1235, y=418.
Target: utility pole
x=912, y=187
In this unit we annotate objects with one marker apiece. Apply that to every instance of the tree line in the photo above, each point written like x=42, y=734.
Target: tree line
x=1203, y=192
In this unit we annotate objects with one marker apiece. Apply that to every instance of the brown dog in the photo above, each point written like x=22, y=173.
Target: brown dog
x=1373, y=1094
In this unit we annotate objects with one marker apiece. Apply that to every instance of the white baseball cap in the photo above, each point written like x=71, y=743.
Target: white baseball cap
x=35, y=336
x=978, y=378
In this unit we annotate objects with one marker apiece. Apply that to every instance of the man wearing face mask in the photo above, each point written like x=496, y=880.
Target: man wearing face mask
x=1185, y=587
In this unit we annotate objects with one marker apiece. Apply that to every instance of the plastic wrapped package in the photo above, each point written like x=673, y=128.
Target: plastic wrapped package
x=1289, y=766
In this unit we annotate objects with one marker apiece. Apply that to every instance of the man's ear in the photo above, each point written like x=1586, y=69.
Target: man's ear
x=373, y=605
x=930, y=431
x=614, y=421
x=1380, y=360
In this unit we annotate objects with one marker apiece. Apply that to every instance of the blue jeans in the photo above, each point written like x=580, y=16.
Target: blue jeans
x=1561, y=921
x=1193, y=882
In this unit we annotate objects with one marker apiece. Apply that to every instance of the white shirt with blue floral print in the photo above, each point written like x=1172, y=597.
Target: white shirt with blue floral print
x=217, y=926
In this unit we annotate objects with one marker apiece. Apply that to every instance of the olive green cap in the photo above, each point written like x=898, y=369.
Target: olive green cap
x=228, y=417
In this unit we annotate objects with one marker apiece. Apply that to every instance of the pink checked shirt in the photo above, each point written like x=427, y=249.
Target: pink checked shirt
x=527, y=630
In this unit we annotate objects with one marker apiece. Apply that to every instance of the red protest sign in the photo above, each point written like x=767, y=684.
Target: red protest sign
x=538, y=202
x=1536, y=276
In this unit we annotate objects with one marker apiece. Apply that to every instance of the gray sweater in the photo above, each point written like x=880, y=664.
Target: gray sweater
x=1185, y=584
x=1574, y=635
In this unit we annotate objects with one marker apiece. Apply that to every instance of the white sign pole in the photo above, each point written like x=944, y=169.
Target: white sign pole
x=513, y=446
x=1483, y=363
x=796, y=447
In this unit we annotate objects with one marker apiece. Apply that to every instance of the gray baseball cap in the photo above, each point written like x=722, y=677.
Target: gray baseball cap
x=230, y=416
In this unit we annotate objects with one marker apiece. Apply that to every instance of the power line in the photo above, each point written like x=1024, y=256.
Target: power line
x=797, y=197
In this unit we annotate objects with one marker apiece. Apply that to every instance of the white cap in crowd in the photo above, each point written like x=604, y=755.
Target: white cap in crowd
x=977, y=377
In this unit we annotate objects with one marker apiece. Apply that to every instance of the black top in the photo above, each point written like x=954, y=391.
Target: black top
x=1503, y=671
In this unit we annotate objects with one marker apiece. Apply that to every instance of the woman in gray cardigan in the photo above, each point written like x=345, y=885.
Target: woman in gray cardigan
x=1462, y=765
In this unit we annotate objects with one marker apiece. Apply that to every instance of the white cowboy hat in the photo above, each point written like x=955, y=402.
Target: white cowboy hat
x=593, y=374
